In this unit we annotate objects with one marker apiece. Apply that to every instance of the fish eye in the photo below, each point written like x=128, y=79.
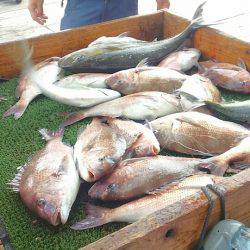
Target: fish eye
x=41, y=202
x=119, y=81
x=111, y=187
x=102, y=158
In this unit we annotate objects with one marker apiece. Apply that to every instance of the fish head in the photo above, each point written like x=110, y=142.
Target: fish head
x=48, y=207
x=144, y=146
x=119, y=80
x=93, y=167
x=104, y=190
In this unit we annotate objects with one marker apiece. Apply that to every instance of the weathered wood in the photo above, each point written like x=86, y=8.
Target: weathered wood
x=185, y=218
x=145, y=27
x=212, y=43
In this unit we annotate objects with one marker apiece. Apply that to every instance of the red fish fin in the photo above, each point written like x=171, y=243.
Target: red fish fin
x=63, y=114
x=49, y=135
x=73, y=118
x=96, y=216
x=242, y=64
x=17, y=110
x=15, y=182
x=214, y=165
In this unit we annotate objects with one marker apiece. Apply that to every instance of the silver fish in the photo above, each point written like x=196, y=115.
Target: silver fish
x=138, y=106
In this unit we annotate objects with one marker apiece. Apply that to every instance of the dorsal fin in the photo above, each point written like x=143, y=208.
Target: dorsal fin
x=242, y=64
x=124, y=34
x=15, y=182
x=49, y=135
x=142, y=63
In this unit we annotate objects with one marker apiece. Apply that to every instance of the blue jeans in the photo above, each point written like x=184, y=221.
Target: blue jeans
x=84, y=12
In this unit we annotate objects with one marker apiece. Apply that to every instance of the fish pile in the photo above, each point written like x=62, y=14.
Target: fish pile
x=143, y=98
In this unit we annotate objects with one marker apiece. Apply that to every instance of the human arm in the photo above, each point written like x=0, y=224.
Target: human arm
x=162, y=4
x=36, y=11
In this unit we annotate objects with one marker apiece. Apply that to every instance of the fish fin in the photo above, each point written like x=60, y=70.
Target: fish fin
x=49, y=135
x=63, y=114
x=124, y=34
x=96, y=216
x=142, y=63
x=189, y=121
x=16, y=110
x=196, y=102
x=240, y=165
x=155, y=40
x=148, y=125
x=62, y=168
x=198, y=21
x=242, y=64
x=198, y=12
x=73, y=118
x=15, y=182
x=214, y=165
x=130, y=151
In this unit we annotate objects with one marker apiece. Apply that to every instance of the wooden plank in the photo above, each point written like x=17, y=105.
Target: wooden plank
x=185, y=218
x=212, y=43
x=145, y=27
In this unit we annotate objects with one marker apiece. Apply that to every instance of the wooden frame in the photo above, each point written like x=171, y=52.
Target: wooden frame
x=188, y=216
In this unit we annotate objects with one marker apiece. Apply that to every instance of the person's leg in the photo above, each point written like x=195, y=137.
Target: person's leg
x=82, y=12
x=118, y=9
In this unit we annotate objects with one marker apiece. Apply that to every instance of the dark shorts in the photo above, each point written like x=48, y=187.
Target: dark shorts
x=84, y=12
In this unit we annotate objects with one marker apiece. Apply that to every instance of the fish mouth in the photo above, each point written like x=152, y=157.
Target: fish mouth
x=98, y=192
x=55, y=220
x=88, y=175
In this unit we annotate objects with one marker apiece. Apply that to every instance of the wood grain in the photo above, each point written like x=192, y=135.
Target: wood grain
x=145, y=27
x=185, y=218
x=211, y=42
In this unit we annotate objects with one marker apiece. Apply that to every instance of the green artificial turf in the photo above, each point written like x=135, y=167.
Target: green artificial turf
x=18, y=140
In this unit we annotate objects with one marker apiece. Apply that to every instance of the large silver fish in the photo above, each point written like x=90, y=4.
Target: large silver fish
x=128, y=58
x=49, y=182
x=82, y=97
x=101, y=46
x=138, y=106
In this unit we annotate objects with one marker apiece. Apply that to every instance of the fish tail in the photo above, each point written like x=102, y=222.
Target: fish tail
x=198, y=21
x=215, y=165
x=213, y=105
x=96, y=216
x=50, y=135
x=196, y=102
x=73, y=118
x=17, y=110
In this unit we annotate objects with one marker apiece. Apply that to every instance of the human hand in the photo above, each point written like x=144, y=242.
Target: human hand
x=162, y=4
x=36, y=11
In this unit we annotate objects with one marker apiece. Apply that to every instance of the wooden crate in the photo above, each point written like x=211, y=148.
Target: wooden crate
x=185, y=218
